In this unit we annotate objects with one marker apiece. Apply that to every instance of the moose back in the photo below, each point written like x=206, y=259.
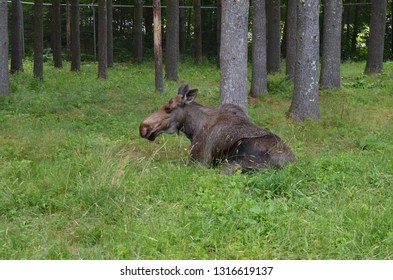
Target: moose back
x=218, y=135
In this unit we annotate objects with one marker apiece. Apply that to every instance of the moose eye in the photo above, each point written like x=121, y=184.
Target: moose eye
x=168, y=109
x=170, y=106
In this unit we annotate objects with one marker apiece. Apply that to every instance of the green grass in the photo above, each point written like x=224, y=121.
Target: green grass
x=77, y=181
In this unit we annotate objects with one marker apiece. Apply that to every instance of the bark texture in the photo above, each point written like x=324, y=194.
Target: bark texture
x=259, y=70
x=377, y=37
x=109, y=32
x=290, y=45
x=38, y=67
x=172, y=41
x=233, y=53
x=137, y=51
x=305, y=97
x=159, y=84
x=75, y=35
x=331, y=45
x=102, y=40
x=56, y=34
x=4, y=76
x=219, y=13
x=197, y=31
x=273, y=15
x=182, y=28
x=16, y=36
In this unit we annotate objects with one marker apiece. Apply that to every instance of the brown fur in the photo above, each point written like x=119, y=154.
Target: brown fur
x=224, y=134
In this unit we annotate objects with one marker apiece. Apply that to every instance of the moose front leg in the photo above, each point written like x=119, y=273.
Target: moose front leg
x=199, y=153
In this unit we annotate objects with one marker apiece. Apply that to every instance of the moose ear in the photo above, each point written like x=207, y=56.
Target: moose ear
x=190, y=96
x=183, y=89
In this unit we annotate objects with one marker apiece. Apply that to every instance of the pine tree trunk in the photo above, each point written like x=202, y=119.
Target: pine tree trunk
x=182, y=28
x=159, y=84
x=102, y=40
x=198, y=31
x=331, y=48
x=16, y=37
x=391, y=20
x=233, y=56
x=305, y=97
x=75, y=35
x=355, y=31
x=259, y=70
x=172, y=41
x=219, y=13
x=38, y=40
x=68, y=29
x=109, y=36
x=149, y=28
x=345, y=28
x=56, y=34
x=137, y=52
x=4, y=76
x=290, y=44
x=273, y=15
x=377, y=37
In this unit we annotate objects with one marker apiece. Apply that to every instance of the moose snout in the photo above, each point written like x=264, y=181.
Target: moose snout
x=144, y=130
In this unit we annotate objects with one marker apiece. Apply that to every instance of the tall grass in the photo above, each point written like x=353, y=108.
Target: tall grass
x=77, y=181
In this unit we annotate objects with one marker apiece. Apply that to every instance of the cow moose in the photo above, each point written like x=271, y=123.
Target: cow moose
x=218, y=135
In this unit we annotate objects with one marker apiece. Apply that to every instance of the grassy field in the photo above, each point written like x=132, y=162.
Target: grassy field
x=77, y=181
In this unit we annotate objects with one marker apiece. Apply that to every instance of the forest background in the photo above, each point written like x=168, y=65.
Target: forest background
x=77, y=181
x=355, y=29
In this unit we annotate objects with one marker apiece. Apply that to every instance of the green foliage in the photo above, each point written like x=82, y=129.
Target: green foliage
x=77, y=181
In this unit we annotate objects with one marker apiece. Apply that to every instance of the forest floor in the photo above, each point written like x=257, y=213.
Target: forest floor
x=77, y=181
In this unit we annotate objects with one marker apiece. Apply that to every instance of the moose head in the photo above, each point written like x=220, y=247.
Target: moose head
x=170, y=117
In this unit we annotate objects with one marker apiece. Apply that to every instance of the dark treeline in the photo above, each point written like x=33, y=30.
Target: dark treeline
x=355, y=29
x=123, y=29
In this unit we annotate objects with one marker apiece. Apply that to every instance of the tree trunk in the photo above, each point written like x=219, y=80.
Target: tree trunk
x=149, y=29
x=182, y=28
x=159, y=84
x=172, y=41
x=56, y=33
x=331, y=48
x=68, y=29
x=345, y=28
x=188, y=24
x=75, y=36
x=197, y=31
x=273, y=15
x=102, y=40
x=233, y=56
x=259, y=71
x=305, y=97
x=377, y=37
x=109, y=36
x=4, y=76
x=218, y=30
x=38, y=40
x=348, y=24
x=137, y=51
x=355, y=31
x=290, y=44
x=16, y=37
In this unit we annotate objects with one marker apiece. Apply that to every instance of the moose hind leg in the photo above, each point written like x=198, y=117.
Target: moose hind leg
x=273, y=151
x=260, y=153
x=249, y=156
